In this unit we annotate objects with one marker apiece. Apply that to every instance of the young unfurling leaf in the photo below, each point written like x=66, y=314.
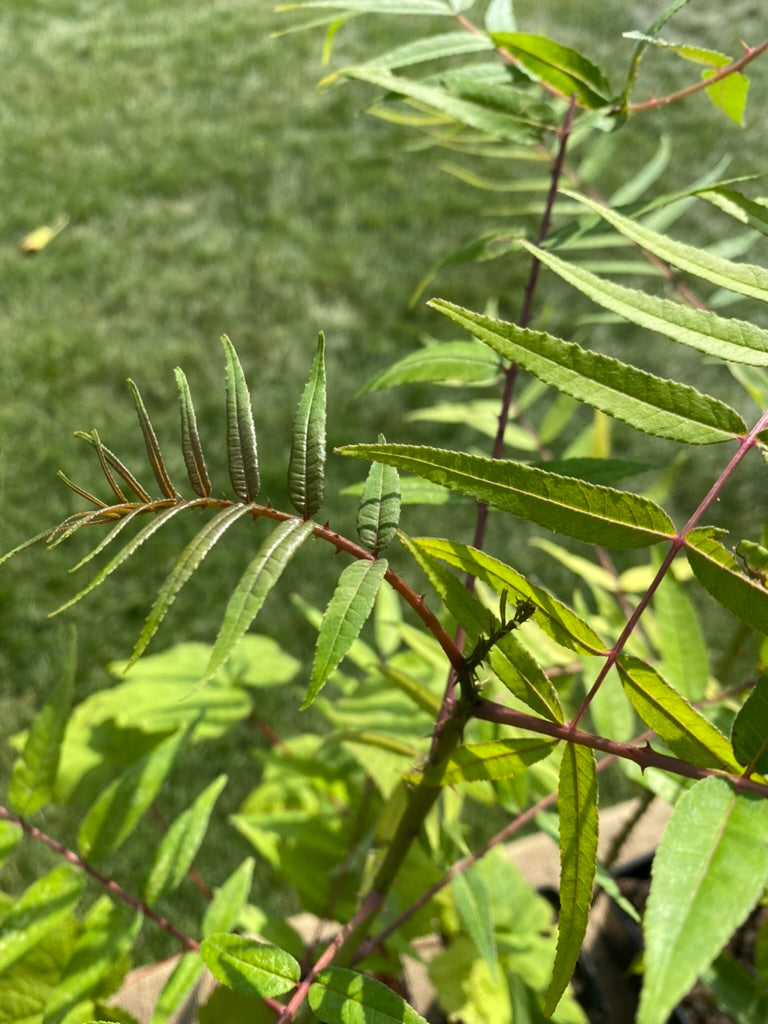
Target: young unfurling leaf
x=191, y=447
x=156, y=460
x=306, y=469
x=242, y=451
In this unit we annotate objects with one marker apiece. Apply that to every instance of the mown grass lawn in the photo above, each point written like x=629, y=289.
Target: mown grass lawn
x=209, y=188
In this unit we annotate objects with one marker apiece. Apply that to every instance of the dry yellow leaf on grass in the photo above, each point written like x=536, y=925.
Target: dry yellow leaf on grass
x=40, y=237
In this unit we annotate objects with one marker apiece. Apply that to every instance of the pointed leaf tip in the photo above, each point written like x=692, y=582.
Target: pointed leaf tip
x=154, y=454
x=242, y=450
x=306, y=469
x=191, y=447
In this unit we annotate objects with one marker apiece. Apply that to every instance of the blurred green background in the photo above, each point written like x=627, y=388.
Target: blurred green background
x=210, y=188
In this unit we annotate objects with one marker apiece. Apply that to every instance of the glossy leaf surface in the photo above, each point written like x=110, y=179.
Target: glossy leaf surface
x=493, y=760
x=709, y=871
x=562, y=67
x=245, y=965
x=345, y=616
x=663, y=408
x=587, y=512
x=306, y=467
x=339, y=996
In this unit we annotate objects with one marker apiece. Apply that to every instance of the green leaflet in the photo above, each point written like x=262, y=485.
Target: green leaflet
x=120, y=807
x=719, y=573
x=436, y=47
x=185, y=565
x=306, y=467
x=191, y=447
x=184, y=976
x=566, y=69
x=34, y=771
x=224, y=909
x=254, y=586
x=254, y=968
x=683, y=649
x=109, y=932
x=476, y=115
x=742, y=278
x=474, y=907
x=154, y=454
x=684, y=730
x=339, y=996
x=749, y=734
x=176, y=852
x=10, y=837
x=731, y=340
x=577, y=804
x=40, y=908
x=242, y=452
x=588, y=512
x=114, y=463
x=347, y=612
x=449, y=362
x=516, y=669
x=378, y=513
x=125, y=553
x=431, y=7
x=709, y=871
x=493, y=760
x=555, y=618
x=656, y=406
x=737, y=205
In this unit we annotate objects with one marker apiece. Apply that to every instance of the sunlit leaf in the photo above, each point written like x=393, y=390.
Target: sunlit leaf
x=735, y=204
x=34, y=771
x=347, y=612
x=245, y=965
x=154, y=454
x=449, y=362
x=577, y=805
x=562, y=67
x=178, y=986
x=493, y=760
x=242, y=452
x=338, y=995
x=652, y=404
x=587, y=512
x=378, y=513
x=684, y=729
x=555, y=618
x=474, y=907
x=40, y=908
x=120, y=807
x=709, y=871
x=720, y=574
x=224, y=909
x=191, y=446
x=176, y=852
x=255, y=584
x=306, y=468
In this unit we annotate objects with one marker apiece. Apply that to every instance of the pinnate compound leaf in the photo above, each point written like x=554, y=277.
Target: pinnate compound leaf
x=339, y=996
x=242, y=451
x=130, y=548
x=577, y=805
x=40, y=908
x=719, y=573
x=178, y=986
x=552, y=616
x=684, y=730
x=749, y=734
x=34, y=772
x=156, y=460
x=225, y=907
x=251, y=967
x=119, y=808
x=493, y=760
x=709, y=871
x=347, y=612
x=378, y=513
x=742, y=278
x=732, y=340
x=177, y=850
x=652, y=404
x=566, y=69
x=449, y=362
x=109, y=932
x=254, y=587
x=186, y=564
x=306, y=468
x=191, y=446
x=588, y=512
